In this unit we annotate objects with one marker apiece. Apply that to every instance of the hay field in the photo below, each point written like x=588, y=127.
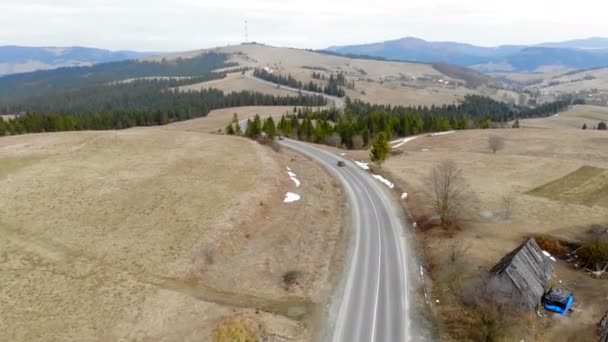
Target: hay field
x=587, y=186
x=158, y=233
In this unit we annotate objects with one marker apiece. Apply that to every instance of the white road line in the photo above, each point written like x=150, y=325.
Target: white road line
x=379, y=253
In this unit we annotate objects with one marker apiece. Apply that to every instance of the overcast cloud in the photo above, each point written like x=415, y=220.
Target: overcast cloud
x=155, y=25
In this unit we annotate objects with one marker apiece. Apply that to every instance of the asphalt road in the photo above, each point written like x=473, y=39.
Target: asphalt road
x=338, y=102
x=375, y=300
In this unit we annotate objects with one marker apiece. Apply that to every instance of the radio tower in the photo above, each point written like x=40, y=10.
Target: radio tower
x=246, y=33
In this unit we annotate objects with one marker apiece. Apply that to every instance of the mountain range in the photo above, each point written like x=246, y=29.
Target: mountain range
x=573, y=54
x=17, y=59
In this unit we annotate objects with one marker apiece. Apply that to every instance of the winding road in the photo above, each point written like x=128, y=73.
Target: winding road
x=375, y=301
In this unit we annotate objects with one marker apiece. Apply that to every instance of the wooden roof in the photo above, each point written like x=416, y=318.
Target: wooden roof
x=527, y=271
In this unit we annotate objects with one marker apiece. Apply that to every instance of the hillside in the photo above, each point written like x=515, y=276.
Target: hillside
x=18, y=59
x=576, y=54
x=376, y=81
x=591, y=84
x=136, y=235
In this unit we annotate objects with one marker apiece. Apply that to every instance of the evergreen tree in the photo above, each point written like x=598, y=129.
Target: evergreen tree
x=248, y=129
x=601, y=126
x=229, y=129
x=516, y=124
x=380, y=150
x=256, y=127
x=585, y=126
x=269, y=128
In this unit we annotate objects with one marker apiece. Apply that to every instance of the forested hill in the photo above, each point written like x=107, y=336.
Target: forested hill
x=98, y=97
x=14, y=88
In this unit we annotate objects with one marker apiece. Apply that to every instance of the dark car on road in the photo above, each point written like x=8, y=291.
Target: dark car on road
x=341, y=163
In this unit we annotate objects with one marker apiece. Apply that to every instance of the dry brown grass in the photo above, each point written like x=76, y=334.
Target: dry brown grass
x=107, y=235
x=397, y=83
x=238, y=82
x=531, y=158
x=586, y=186
x=574, y=118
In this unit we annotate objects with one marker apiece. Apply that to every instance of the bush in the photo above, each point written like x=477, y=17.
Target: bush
x=594, y=253
x=291, y=278
x=551, y=245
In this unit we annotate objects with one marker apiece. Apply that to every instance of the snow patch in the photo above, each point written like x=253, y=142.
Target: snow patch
x=364, y=166
x=548, y=255
x=404, y=141
x=291, y=197
x=288, y=168
x=442, y=133
x=294, y=179
x=425, y=150
x=404, y=195
x=384, y=180
x=343, y=154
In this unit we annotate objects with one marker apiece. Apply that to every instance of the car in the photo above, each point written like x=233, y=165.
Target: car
x=281, y=137
x=341, y=163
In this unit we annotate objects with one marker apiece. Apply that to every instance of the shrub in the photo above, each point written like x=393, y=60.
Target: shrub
x=551, y=245
x=291, y=278
x=594, y=253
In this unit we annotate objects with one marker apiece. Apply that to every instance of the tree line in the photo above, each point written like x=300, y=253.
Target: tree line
x=149, y=109
x=361, y=122
x=333, y=87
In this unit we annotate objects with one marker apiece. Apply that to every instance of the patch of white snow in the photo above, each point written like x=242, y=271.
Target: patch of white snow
x=384, y=180
x=364, y=166
x=294, y=179
x=442, y=133
x=291, y=197
x=404, y=141
x=404, y=195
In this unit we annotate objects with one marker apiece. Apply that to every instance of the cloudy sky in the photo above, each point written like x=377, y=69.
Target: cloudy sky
x=176, y=25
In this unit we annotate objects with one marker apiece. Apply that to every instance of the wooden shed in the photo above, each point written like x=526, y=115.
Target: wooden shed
x=525, y=272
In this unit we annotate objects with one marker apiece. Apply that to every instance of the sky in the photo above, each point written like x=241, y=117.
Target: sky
x=179, y=25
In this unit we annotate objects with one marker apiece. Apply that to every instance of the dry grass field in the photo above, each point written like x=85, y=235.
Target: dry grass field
x=530, y=159
x=585, y=186
x=160, y=233
x=397, y=83
x=238, y=82
x=575, y=117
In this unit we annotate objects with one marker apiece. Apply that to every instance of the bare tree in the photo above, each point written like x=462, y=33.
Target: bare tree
x=508, y=206
x=358, y=142
x=334, y=140
x=495, y=143
x=447, y=192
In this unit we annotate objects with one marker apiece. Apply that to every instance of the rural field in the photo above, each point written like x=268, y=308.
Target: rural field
x=162, y=233
x=558, y=185
x=575, y=117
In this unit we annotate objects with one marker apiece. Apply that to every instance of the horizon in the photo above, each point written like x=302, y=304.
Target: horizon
x=190, y=25
x=293, y=47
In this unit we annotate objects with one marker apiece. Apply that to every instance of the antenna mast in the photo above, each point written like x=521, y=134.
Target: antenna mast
x=246, y=33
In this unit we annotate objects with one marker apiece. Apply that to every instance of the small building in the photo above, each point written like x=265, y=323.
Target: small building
x=524, y=273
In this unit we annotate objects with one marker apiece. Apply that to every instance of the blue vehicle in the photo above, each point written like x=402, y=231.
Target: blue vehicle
x=558, y=300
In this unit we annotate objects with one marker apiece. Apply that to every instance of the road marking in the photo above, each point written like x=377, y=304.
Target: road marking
x=379, y=254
